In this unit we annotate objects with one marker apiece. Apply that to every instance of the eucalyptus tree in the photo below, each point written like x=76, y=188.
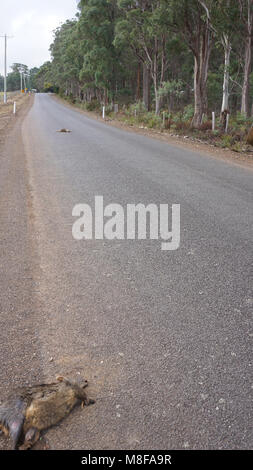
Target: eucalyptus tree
x=66, y=58
x=1, y=82
x=44, y=77
x=100, y=58
x=246, y=18
x=32, y=76
x=143, y=26
x=192, y=19
x=225, y=26
x=14, y=81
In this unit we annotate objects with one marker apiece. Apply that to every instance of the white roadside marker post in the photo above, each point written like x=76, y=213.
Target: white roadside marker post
x=14, y=107
x=213, y=121
x=103, y=112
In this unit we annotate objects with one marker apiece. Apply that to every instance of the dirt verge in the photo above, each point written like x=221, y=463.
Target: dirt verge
x=19, y=314
x=7, y=118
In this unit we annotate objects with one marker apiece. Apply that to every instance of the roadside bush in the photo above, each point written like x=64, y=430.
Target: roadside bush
x=226, y=141
x=205, y=126
x=93, y=105
x=181, y=125
x=242, y=119
x=151, y=120
x=137, y=108
x=237, y=147
x=188, y=112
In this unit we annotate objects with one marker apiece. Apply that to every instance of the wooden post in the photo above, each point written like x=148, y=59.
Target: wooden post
x=213, y=121
x=164, y=119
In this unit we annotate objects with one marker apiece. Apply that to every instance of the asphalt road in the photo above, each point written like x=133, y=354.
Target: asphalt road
x=164, y=337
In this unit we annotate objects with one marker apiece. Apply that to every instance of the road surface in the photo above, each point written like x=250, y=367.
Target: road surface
x=164, y=337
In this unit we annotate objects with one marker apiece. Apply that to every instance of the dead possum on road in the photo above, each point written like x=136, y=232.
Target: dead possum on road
x=33, y=409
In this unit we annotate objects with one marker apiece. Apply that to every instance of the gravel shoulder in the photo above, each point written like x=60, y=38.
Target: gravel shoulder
x=7, y=118
x=19, y=348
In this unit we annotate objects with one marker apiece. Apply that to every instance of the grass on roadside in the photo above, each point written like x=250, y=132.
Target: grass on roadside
x=6, y=109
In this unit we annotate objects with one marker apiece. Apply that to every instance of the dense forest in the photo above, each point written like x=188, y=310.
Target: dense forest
x=190, y=56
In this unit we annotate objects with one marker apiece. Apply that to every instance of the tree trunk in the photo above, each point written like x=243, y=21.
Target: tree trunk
x=201, y=50
x=155, y=77
x=227, y=50
x=157, y=61
x=198, y=97
x=158, y=71
x=245, y=105
x=138, y=87
x=146, y=87
x=157, y=101
x=200, y=92
x=105, y=97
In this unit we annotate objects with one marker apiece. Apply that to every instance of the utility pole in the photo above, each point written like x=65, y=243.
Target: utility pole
x=21, y=82
x=5, y=66
x=5, y=69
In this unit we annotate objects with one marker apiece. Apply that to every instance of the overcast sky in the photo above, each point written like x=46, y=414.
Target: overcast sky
x=31, y=22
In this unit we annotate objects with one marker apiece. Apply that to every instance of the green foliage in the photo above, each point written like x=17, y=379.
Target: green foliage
x=13, y=78
x=137, y=108
x=48, y=87
x=242, y=119
x=93, y=105
x=44, y=76
x=214, y=89
x=100, y=58
x=237, y=147
x=1, y=83
x=188, y=112
x=172, y=87
x=151, y=120
x=226, y=141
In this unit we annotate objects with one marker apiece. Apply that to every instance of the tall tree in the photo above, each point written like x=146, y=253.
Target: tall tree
x=246, y=9
x=192, y=20
x=97, y=29
x=43, y=80
x=66, y=57
x=225, y=26
x=143, y=26
x=1, y=82
x=32, y=74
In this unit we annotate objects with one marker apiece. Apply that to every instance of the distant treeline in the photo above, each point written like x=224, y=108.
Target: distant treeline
x=14, y=80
